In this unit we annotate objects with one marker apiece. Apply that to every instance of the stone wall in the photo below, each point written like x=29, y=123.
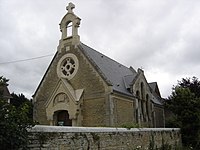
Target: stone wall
x=159, y=117
x=120, y=115
x=90, y=138
x=94, y=112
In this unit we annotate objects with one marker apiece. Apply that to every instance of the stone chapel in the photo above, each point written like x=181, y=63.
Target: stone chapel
x=83, y=87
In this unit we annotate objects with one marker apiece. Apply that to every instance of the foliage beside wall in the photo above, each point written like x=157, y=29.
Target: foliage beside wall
x=14, y=123
x=184, y=103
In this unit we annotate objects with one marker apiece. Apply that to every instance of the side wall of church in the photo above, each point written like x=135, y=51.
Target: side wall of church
x=124, y=111
x=94, y=112
x=159, y=117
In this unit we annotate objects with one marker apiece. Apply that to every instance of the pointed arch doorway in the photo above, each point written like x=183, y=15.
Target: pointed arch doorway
x=61, y=118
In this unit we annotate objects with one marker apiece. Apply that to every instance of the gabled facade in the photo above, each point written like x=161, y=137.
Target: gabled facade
x=83, y=87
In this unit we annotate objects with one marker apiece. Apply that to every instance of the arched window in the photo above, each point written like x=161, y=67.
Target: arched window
x=69, y=29
x=142, y=101
x=137, y=109
x=138, y=94
x=142, y=90
x=147, y=105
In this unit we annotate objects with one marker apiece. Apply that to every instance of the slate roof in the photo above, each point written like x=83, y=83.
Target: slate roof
x=156, y=93
x=114, y=73
x=153, y=85
x=156, y=99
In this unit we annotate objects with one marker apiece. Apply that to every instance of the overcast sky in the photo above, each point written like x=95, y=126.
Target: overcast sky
x=160, y=36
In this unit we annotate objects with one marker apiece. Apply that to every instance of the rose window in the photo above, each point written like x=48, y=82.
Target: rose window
x=67, y=66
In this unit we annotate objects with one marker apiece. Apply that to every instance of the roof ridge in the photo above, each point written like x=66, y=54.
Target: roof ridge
x=106, y=56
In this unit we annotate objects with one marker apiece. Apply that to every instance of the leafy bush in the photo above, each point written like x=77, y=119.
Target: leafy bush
x=13, y=126
x=184, y=102
x=14, y=123
x=130, y=125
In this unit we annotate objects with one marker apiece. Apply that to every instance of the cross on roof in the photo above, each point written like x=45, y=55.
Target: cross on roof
x=70, y=7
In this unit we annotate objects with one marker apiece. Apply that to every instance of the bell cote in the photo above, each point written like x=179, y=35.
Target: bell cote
x=69, y=27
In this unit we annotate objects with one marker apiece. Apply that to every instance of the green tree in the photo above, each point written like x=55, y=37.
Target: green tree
x=184, y=102
x=14, y=123
x=20, y=100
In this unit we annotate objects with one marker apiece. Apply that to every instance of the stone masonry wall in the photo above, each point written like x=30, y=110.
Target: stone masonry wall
x=123, y=111
x=159, y=118
x=94, y=112
x=90, y=138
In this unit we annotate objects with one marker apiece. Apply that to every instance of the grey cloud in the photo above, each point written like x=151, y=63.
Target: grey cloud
x=160, y=36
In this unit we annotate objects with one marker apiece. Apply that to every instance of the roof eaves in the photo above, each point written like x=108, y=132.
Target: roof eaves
x=159, y=99
x=125, y=94
x=95, y=66
x=159, y=105
x=45, y=74
x=154, y=87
